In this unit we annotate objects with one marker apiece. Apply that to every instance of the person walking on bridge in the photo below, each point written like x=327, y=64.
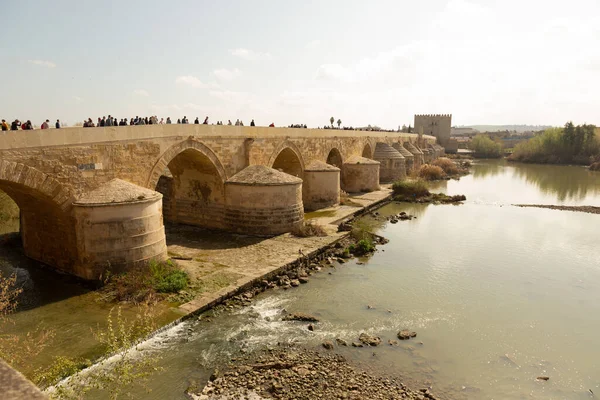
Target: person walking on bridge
x=45, y=124
x=205, y=121
x=14, y=126
x=4, y=125
x=57, y=124
x=197, y=121
x=252, y=123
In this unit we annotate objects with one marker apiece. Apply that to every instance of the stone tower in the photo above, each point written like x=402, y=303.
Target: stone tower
x=437, y=125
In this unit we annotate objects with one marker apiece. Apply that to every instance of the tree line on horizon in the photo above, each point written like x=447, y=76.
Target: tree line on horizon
x=571, y=144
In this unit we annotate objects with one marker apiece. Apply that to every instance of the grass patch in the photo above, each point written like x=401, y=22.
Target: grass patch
x=309, y=229
x=415, y=188
x=146, y=283
x=431, y=172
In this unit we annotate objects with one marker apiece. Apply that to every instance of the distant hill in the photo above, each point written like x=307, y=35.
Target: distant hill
x=497, y=128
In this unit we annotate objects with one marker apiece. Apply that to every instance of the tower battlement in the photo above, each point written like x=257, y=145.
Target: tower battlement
x=434, y=115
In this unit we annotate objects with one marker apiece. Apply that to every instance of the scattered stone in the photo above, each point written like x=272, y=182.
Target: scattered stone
x=311, y=327
x=288, y=373
x=369, y=340
x=356, y=344
x=406, y=334
x=341, y=342
x=328, y=344
x=299, y=316
x=295, y=283
x=370, y=307
x=303, y=280
x=543, y=378
x=393, y=342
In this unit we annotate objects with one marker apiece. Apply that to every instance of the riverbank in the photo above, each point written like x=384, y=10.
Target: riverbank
x=289, y=372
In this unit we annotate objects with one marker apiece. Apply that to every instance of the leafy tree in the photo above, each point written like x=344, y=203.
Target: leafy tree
x=331, y=120
x=339, y=122
x=409, y=130
x=485, y=147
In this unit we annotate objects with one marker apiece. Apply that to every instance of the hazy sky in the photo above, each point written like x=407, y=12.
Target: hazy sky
x=366, y=62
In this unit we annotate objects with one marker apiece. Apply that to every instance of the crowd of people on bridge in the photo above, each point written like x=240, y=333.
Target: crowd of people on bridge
x=152, y=120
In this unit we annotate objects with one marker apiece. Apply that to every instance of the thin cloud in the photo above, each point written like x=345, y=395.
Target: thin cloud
x=141, y=92
x=224, y=74
x=250, y=55
x=43, y=63
x=194, y=82
x=313, y=44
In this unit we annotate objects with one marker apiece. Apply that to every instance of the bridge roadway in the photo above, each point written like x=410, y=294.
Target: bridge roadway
x=93, y=199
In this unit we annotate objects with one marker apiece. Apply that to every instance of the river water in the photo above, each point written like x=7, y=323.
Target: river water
x=498, y=295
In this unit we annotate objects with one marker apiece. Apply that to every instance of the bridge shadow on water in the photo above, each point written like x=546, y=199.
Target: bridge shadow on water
x=40, y=284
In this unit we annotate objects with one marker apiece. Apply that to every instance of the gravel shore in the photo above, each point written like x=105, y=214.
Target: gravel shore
x=296, y=373
x=586, y=209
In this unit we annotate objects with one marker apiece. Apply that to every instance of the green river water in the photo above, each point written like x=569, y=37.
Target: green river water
x=497, y=294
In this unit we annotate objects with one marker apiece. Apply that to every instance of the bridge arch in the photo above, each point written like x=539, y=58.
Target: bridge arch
x=173, y=151
x=335, y=158
x=288, y=158
x=192, y=181
x=46, y=222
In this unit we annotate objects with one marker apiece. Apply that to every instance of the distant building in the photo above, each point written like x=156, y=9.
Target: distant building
x=463, y=131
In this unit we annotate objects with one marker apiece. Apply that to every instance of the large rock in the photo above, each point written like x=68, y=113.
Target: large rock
x=370, y=340
x=406, y=334
x=298, y=316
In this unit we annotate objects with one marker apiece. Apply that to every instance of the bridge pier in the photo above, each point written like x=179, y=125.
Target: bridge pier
x=119, y=226
x=360, y=174
x=418, y=154
x=320, y=186
x=408, y=157
x=263, y=201
x=392, y=164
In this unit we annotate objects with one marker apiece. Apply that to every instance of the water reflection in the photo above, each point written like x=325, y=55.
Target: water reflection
x=565, y=182
x=488, y=168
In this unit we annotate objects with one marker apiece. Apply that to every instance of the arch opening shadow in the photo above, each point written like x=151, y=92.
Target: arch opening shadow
x=335, y=158
x=47, y=230
x=193, y=190
x=367, y=151
x=288, y=161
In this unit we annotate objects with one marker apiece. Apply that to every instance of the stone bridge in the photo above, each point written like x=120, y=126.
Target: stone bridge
x=93, y=199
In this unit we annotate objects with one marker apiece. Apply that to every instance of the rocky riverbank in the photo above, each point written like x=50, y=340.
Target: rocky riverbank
x=586, y=209
x=286, y=372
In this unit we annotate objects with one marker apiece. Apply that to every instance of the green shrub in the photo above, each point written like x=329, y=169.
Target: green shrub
x=141, y=284
x=415, y=188
x=431, y=172
x=484, y=147
x=364, y=247
x=60, y=368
